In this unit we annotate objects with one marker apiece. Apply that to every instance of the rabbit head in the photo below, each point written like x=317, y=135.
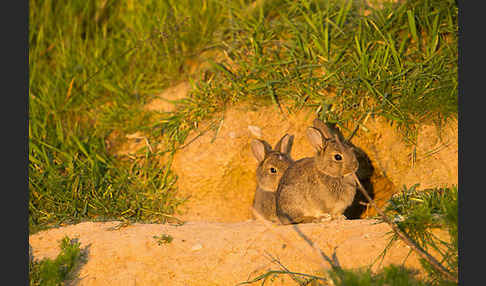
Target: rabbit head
x=272, y=162
x=333, y=157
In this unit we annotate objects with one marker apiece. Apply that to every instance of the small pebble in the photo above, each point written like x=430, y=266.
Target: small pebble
x=325, y=217
x=255, y=130
x=196, y=246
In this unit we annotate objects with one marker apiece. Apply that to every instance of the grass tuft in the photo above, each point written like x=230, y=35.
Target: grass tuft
x=94, y=64
x=89, y=81
x=91, y=78
x=49, y=272
x=390, y=275
x=418, y=213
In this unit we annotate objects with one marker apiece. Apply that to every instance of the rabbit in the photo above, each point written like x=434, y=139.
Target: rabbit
x=272, y=163
x=321, y=186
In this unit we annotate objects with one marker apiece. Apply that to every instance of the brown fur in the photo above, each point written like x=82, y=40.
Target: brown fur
x=272, y=165
x=314, y=187
x=216, y=170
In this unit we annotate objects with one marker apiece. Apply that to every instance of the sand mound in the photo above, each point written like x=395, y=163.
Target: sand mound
x=216, y=172
x=204, y=253
x=216, y=169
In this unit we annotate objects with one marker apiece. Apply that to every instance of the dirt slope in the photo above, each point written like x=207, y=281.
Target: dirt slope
x=217, y=170
x=208, y=253
x=219, y=245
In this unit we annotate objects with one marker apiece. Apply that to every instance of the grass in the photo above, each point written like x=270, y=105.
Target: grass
x=163, y=239
x=90, y=78
x=418, y=214
x=94, y=64
x=390, y=275
x=373, y=63
x=50, y=272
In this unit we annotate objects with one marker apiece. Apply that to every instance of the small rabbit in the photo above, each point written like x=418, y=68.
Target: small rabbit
x=272, y=165
x=321, y=186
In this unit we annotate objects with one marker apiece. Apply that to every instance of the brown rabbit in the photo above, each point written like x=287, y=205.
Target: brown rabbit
x=272, y=165
x=316, y=187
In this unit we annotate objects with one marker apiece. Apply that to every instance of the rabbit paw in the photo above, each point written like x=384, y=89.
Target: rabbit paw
x=324, y=218
x=339, y=217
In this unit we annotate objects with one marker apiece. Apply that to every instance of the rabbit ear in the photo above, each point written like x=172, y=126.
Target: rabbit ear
x=259, y=149
x=325, y=131
x=337, y=139
x=284, y=145
x=315, y=138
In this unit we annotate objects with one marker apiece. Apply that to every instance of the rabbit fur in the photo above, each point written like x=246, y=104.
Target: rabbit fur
x=272, y=163
x=321, y=186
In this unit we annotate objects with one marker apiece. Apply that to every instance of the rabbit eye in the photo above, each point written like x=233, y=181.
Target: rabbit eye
x=338, y=157
x=273, y=170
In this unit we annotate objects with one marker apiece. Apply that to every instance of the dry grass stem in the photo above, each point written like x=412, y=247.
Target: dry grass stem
x=422, y=253
x=322, y=257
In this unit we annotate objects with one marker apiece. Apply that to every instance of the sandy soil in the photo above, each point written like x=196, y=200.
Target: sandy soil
x=217, y=170
x=219, y=244
x=208, y=253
